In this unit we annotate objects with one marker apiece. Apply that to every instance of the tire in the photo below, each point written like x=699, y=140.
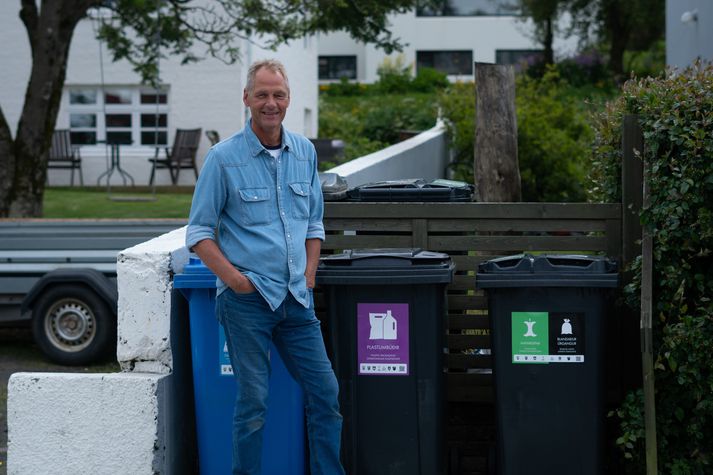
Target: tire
x=72, y=325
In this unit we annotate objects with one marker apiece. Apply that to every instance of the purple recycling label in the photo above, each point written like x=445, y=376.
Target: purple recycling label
x=382, y=339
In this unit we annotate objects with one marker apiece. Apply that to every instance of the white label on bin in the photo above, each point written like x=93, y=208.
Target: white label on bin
x=543, y=337
x=383, y=339
x=223, y=357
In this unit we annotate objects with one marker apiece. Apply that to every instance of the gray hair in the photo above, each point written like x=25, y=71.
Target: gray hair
x=271, y=64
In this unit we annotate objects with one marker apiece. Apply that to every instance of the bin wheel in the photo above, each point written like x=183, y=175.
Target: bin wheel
x=72, y=325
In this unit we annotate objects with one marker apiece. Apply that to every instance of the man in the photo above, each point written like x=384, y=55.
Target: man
x=256, y=222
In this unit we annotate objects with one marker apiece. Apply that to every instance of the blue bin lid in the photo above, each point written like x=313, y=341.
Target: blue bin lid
x=195, y=276
x=551, y=270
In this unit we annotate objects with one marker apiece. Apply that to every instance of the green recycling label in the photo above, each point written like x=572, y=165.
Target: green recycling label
x=530, y=337
x=544, y=337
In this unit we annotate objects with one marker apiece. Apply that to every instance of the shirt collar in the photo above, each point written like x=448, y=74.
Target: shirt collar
x=254, y=143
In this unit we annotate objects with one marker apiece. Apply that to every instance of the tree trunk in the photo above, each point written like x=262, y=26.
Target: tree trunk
x=549, y=39
x=618, y=24
x=23, y=168
x=496, y=169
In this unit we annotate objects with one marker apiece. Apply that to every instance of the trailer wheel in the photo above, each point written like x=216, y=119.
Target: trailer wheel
x=72, y=325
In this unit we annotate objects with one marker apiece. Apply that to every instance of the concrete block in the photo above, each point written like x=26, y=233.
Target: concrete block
x=145, y=282
x=99, y=424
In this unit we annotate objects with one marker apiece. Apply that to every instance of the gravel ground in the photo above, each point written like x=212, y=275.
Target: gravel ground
x=19, y=353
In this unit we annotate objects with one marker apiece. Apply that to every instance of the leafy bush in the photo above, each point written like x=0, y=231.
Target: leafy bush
x=373, y=121
x=587, y=67
x=343, y=88
x=429, y=80
x=553, y=140
x=394, y=76
x=457, y=108
x=675, y=112
x=553, y=136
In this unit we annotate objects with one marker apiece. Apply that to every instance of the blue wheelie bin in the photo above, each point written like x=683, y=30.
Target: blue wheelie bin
x=284, y=448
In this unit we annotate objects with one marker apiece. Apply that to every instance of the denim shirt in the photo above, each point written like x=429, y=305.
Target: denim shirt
x=260, y=210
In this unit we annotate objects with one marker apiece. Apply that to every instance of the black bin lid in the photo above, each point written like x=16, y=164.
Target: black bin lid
x=550, y=270
x=413, y=189
x=385, y=266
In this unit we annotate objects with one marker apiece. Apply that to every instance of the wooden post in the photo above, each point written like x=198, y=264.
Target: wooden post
x=496, y=169
x=632, y=172
x=647, y=357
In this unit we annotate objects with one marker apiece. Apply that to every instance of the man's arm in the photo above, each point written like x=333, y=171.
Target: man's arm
x=313, y=248
x=215, y=260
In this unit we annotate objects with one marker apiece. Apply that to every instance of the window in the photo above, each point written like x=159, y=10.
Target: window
x=337, y=67
x=449, y=62
x=125, y=115
x=470, y=8
x=517, y=56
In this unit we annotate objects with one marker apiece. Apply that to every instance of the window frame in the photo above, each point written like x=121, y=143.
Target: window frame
x=134, y=108
x=497, y=11
x=337, y=56
x=419, y=61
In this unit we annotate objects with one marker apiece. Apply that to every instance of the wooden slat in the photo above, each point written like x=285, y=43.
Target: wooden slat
x=468, y=387
x=473, y=210
x=459, y=302
x=361, y=242
x=420, y=233
x=465, y=342
x=371, y=224
x=510, y=225
x=472, y=379
x=475, y=322
x=468, y=263
x=459, y=360
x=518, y=243
x=462, y=282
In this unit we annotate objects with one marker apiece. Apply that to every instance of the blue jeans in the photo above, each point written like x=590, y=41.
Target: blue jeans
x=249, y=326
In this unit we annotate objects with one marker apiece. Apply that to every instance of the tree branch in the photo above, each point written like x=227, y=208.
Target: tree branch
x=29, y=17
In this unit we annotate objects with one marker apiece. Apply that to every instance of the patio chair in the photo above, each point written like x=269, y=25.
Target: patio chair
x=64, y=155
x=213, y=136
x=181, y=155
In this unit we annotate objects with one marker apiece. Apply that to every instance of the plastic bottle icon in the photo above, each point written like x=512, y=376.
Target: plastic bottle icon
x=383, y=326
x=390, y=327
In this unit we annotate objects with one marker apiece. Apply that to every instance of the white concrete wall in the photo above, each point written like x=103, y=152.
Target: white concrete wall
x=134, y=422
x=145, y=282
x=103, y=424
x=686, y=41
x=481, y=34
x=206, y=94
x=423, y=156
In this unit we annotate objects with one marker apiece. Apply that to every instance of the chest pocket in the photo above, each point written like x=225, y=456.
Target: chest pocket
x=255, y=206
x=300, y=200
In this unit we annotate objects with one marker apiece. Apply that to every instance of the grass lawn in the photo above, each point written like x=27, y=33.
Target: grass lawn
x=139, y=203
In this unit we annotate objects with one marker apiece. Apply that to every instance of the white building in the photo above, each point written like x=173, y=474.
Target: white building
x=206, y=95
x=689, y=34
x=449, y=39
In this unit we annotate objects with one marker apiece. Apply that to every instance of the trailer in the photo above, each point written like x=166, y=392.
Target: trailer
x=59, y=277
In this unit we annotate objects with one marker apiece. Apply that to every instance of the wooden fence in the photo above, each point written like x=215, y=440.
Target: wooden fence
x=472, y=233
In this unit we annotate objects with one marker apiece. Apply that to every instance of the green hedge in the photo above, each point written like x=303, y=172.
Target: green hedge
x=676, y=114
x=553, y=136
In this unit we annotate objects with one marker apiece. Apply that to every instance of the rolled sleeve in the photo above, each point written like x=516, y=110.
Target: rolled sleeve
x=208, y=202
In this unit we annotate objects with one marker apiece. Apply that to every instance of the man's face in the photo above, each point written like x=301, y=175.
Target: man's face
x=267, y=101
